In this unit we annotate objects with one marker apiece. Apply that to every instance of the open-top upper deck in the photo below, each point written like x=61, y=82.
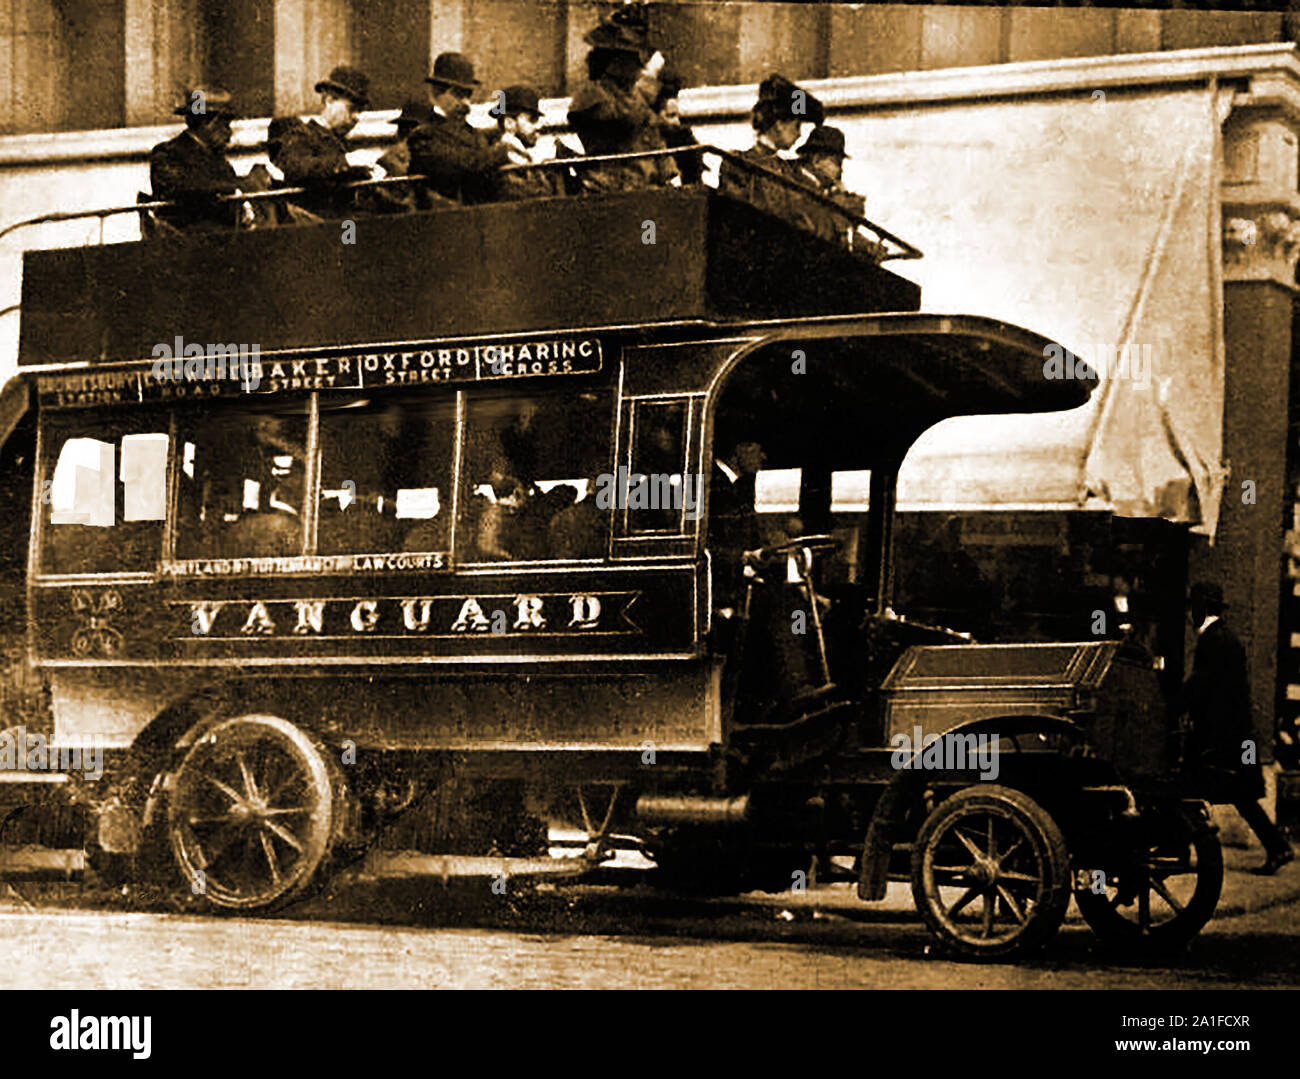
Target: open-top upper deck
x=635, y=259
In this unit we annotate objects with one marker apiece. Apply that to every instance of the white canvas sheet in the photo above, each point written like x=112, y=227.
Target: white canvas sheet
x=1092, y=220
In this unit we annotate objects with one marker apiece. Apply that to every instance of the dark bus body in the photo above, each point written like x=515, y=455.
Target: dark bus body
x=444, y=505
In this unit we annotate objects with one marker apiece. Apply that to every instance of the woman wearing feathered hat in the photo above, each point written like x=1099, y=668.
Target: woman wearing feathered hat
x=777, y=118
x=611, y=114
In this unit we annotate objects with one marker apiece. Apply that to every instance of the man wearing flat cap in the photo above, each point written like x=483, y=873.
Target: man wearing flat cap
x=519, y=121
x=192, y=169
x=821, y=166
x=1219, y=754
x=777, y=118
x=612, y=113
x=313, y=154
x=458, y=161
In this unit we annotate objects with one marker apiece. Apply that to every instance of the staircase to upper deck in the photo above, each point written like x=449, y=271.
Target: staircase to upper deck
x=502, y=268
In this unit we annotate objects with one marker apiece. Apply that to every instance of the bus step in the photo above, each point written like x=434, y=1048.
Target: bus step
x=403, y=865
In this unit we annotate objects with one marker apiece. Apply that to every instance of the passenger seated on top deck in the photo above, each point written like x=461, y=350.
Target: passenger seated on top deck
x=518, y=123
x=673, y=131
x=611, y=114
x=821, y=160
x=781, y=109
x=459, y=161
x=313, y=154
x=396, y=161
x=192, y=169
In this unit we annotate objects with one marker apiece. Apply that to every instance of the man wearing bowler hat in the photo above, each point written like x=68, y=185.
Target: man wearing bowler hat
x=777, y=118
x=821, y=166
x=457, y=160
x=313, y=154
x=192, y=169
x=519, y=121
x=1220, y=752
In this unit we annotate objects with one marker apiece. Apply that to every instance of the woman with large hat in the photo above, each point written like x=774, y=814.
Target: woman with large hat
x=611, y=113
x=777, y=118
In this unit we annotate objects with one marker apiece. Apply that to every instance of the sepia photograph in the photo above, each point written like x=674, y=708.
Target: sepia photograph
x=553, y=494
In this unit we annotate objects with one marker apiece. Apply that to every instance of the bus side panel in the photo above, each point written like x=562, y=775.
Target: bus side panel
x=669, y=706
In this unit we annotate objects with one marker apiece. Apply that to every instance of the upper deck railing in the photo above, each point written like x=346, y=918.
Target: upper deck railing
x=860, y=232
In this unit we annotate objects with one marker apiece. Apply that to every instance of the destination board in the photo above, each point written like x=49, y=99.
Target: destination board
x=193, y=371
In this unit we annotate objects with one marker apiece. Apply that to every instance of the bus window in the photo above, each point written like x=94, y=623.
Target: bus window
x=386, y=476
x=240, y=484
x=532, y=471
x=105, y=495
x=659, y=493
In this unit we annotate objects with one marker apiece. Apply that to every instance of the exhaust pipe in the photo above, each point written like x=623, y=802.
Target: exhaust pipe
x=692, y=809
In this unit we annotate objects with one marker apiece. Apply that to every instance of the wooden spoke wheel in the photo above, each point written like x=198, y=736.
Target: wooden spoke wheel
x=252, y=812
x=990, y=873
x=1158, y=898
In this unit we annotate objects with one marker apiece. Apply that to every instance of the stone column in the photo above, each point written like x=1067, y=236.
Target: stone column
x=164, y=43
x=1261, y=244
x=311, y=37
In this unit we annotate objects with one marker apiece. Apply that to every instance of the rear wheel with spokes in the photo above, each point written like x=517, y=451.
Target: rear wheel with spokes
x=990, y=873
x=252, y=813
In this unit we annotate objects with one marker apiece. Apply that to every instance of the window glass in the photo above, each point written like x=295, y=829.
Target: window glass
x=240, y=480
x=659, y=495
x=776, y=490
x=386, y=474
x=105, y=494
x=533, y=473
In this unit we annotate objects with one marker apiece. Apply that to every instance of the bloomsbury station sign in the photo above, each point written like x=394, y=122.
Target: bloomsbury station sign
x=194, y=371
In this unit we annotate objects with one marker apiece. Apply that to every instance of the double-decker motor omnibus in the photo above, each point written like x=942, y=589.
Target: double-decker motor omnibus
x=318, y=528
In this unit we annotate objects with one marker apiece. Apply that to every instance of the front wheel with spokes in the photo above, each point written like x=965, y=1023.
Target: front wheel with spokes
x=252, y=813
x=990, y=873
x=1160, y=894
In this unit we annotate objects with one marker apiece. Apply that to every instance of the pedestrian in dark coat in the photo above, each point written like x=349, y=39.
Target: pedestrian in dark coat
x=192, y=169
x=313, y=154
x=1220, y=753
x=459, y=161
